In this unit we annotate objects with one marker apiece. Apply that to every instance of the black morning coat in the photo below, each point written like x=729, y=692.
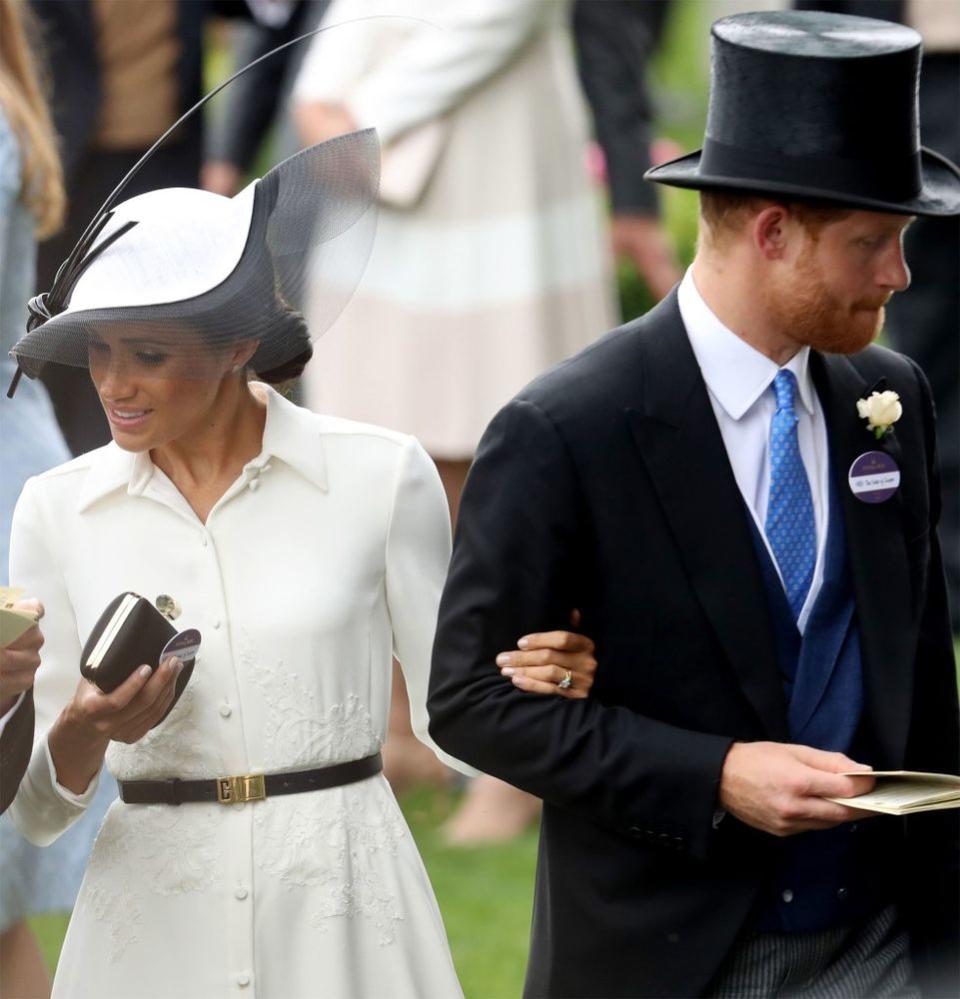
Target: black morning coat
x=605, y=486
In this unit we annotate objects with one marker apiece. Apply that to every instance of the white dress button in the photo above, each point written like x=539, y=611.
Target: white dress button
x=787, y=895
x=216, y=624
x=243, y=979
x=225, y=711
x=204, y=541
x=241, y=893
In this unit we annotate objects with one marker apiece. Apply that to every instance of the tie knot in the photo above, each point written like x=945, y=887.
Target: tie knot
x=785, y=389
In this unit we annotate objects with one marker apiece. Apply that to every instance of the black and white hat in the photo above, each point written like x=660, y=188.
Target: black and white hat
x=190, y=272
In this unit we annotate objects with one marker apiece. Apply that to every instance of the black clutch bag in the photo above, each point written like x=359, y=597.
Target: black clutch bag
x=131, y=632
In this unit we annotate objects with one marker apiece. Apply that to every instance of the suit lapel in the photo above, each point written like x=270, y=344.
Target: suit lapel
x=877, y=556
x=679, y=444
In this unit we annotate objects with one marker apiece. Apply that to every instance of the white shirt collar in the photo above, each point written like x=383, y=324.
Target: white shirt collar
x=290, y=434
x=736, y=373
x=294, y=436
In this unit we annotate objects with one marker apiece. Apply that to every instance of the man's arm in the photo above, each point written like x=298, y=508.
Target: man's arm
x=250, y=105
x=515, y=569
x=614, y=42
x=518, y=565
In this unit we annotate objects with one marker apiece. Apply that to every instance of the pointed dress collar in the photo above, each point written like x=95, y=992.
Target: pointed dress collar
x=291, y=435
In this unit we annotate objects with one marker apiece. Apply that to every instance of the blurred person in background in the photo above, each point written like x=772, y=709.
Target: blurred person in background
x=254, y=109
x=924, y=322
x=490, y=263
x=123, y=71
x=31, y=206
x=615, y=40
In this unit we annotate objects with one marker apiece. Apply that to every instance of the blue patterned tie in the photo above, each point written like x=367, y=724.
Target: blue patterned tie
x=790, y=526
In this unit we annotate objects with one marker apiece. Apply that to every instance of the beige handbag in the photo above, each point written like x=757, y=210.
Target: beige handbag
x=408, y=162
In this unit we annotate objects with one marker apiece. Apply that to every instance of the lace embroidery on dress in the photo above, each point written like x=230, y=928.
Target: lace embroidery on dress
x=340, y=844
x=170, y=851
x=336, y=842
x=299, y=732
x=179, y=747
x=113, y=909
x=148, y=850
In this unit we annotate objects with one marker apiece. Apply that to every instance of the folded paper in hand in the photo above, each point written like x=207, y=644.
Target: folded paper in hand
x=905, y=792
x=14, y=621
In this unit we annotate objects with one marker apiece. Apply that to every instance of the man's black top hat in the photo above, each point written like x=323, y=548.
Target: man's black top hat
x=815, y=105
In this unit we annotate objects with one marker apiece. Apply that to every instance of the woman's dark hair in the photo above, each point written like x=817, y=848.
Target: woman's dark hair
x=284, y=354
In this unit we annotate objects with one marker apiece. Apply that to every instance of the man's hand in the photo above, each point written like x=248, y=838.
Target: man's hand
x=20, y=659
x=643, y=240
x=780, y=788
x=220, y=177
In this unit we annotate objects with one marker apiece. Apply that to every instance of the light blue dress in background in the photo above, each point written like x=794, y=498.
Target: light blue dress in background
x=31, y=880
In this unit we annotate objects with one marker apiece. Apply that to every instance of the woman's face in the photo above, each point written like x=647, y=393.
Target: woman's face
x=155, y=391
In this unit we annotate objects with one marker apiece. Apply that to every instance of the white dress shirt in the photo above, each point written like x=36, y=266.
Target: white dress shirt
x=740, y=385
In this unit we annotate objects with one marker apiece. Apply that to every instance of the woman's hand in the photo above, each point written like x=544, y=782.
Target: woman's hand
x=558, y=663
x=80, y=736
x=129, y=712
x=317, y=121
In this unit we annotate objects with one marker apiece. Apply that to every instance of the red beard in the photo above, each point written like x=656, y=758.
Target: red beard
x=812, y=315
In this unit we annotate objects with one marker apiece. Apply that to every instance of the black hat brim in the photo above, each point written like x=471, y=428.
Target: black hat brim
x=939, y=194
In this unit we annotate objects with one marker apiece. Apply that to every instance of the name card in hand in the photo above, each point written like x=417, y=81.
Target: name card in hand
x=905, y=792
x=14, y=621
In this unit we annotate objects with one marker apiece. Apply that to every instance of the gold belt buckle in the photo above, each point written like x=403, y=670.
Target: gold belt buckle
x=237, y=790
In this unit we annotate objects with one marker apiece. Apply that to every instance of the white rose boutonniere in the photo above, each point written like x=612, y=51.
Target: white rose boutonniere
x=881, y=410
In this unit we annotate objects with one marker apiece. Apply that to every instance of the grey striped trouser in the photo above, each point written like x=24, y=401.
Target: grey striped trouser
x=868, y=961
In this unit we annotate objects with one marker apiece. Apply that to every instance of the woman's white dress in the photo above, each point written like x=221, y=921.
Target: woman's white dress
x=326, y=556
x=498, y=267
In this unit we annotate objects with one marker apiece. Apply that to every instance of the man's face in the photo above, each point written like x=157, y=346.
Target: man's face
x=832, y=290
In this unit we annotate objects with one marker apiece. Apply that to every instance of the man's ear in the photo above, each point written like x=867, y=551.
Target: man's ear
x=770, y=231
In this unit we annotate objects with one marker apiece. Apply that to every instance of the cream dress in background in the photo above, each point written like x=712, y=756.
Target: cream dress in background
x=324, y=558
x=496, y=266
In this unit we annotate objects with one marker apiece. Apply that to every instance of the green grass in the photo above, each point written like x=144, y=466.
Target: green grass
x=50, y=931
x=485, y=896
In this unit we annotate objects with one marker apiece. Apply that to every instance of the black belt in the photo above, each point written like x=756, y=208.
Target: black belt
x=247, y=787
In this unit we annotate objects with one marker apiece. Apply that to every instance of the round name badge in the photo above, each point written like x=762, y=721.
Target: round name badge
x=184, y=646
x=874, y=477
